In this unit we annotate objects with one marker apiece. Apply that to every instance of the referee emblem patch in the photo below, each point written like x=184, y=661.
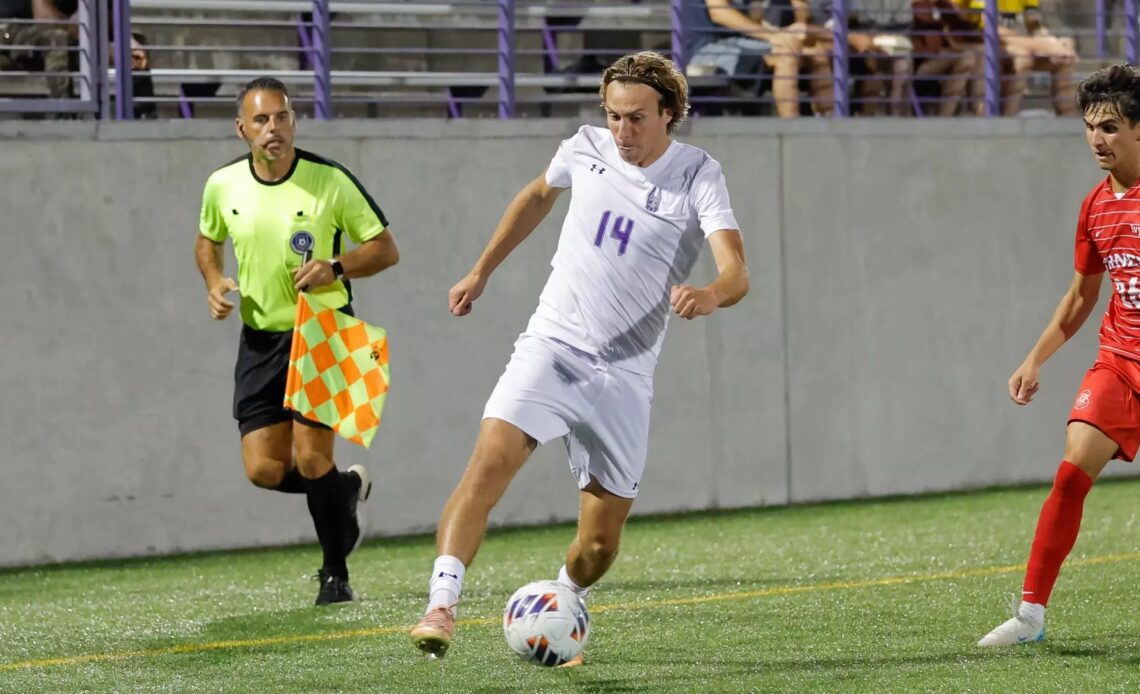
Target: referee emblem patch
x=302, y=241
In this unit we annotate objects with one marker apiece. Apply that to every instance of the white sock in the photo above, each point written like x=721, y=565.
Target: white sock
x=1031, y=612
x=446, y=582
x=564, y=579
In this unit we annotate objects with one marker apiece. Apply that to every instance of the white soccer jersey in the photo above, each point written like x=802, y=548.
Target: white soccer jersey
x=630, y=235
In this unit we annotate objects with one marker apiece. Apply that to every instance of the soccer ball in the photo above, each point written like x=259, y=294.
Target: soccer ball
x=546, y=623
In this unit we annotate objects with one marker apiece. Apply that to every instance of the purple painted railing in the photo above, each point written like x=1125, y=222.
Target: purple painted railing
x=107, y=96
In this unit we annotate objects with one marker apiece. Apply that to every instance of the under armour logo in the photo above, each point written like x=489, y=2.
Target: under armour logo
x=599, y=169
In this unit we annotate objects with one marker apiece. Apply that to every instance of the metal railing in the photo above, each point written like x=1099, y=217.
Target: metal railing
x=87, y=54
x=105, y=78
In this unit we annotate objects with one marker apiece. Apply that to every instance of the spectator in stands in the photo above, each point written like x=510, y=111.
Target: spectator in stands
x=879, y=48
x=1030, y=46
x=141, y=83
x=50, y=41
x=720, y=35
x=1026, y=45
x=938, y=69
x=57, y=60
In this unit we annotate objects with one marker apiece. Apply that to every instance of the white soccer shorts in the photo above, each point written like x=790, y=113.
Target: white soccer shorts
x=550, y=389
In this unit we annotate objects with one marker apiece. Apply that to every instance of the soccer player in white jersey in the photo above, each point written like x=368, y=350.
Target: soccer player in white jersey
x=642, y=207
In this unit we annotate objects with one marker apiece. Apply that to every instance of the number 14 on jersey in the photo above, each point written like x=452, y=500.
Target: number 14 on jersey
x=621, y=229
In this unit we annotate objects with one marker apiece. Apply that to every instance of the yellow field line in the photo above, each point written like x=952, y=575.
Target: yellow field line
x=379, y=631
x=852, y=585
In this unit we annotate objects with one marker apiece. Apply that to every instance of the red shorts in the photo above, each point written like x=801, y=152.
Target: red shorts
x=1109, y=400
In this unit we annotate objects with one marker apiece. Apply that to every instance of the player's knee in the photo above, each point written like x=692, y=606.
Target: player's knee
x=1089, y=448
x=265, y=473
x=600, y=548
x=312, y=464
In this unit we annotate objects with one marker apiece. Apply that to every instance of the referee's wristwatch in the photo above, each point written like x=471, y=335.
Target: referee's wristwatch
x=337, y=268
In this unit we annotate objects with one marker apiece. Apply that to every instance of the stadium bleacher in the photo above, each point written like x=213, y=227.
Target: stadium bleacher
x=408, y=59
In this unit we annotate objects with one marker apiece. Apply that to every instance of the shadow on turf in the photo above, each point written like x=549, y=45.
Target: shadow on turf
x=1123, y=651
x=307, y=620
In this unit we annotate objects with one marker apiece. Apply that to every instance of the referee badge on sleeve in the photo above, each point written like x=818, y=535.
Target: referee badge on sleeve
x=302, y=241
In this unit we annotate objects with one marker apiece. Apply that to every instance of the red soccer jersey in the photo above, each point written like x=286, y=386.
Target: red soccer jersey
x=1108, y=238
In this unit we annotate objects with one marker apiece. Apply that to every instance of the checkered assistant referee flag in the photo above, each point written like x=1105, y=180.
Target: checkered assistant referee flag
x=338, y=370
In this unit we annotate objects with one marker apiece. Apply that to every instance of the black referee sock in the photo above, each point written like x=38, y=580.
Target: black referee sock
x=292, y=483
x=328, y=499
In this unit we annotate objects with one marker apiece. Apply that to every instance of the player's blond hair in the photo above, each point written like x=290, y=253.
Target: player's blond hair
x=653, y=70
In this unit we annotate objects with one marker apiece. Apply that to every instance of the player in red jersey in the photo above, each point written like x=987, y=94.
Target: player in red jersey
x=1104, y=422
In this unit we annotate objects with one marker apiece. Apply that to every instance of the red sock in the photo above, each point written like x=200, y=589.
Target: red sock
x=1057, y=529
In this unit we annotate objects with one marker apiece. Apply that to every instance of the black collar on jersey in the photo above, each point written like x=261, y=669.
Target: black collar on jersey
x=292, y=168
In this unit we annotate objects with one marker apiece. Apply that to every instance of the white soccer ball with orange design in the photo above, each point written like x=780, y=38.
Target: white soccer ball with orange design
x=546, y=623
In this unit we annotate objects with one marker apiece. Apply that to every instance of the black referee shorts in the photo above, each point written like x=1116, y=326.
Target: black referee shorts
x=259, y=379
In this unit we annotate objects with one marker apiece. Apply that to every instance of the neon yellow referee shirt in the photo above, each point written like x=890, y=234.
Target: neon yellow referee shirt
x=273, y=223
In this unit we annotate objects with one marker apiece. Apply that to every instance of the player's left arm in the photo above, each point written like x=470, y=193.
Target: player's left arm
x=359, y=216
x=730, y=285
x=709, y=196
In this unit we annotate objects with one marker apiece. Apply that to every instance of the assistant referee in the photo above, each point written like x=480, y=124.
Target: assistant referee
x=275, y=204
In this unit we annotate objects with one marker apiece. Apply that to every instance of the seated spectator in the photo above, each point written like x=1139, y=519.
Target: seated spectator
x=1026, y=45
x=720, y=35
x=142, y=85
x=1030, y=46
x=879, y=48
x=940, y=72
x=49, y=42
x=57, y=61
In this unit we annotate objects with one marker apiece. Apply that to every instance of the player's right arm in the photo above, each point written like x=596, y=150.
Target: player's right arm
x=523, y=216
x=212, y=233
x=1075, y=307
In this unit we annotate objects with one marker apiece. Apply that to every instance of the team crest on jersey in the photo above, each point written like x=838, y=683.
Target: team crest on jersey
x=654, y=200
x=302, y=241
x=1082, y=400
